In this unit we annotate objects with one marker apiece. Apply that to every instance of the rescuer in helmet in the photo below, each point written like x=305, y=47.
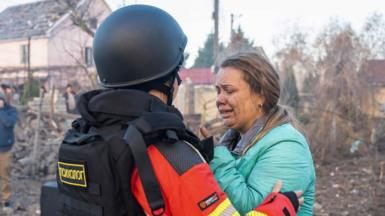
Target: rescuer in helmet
x=138, y=51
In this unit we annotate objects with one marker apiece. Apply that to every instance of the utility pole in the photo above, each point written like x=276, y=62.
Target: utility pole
x=231, y=24
x=29, y=68
x=216, y=33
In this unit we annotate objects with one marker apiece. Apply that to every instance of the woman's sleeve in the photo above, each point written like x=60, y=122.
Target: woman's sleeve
x=285, y=161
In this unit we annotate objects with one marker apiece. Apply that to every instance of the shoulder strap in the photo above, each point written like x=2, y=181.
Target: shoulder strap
x=134, y=138
x=175, y=130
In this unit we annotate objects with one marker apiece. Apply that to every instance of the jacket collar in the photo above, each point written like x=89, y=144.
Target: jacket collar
x=98, y=105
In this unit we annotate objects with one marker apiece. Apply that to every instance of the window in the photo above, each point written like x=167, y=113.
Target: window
x=24, y=54
x=88, y=58
x=93, y=23
x=383, y=107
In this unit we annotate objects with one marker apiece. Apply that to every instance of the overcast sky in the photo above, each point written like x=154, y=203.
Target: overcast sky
x=261, y=20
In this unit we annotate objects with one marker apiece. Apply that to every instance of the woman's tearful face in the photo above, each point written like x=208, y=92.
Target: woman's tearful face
x=236, y=103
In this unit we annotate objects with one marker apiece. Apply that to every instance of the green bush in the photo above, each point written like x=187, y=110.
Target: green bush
x=35, y=91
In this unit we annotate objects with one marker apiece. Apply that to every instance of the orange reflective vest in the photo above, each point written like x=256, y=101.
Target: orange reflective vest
x=195, y=191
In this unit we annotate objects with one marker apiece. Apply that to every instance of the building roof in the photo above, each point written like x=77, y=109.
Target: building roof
x=33, y=19
x=374, y=72
x=198, y=76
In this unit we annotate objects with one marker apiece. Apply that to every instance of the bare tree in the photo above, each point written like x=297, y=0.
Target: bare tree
x=294, y=62
x=340, y=93
x=81, y=15
x=80, y=61
x=330, y=75
x=373, y=36
x=340, y=118
x=84, y=16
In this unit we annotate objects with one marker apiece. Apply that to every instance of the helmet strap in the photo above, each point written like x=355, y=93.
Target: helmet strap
x=170, y=94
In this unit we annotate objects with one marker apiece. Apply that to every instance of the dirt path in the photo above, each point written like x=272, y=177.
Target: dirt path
x=351, y=187
x=25, y=198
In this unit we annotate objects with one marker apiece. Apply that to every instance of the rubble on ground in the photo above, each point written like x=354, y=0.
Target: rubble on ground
x=37, y=143
x=347, y=186
x=35, y=151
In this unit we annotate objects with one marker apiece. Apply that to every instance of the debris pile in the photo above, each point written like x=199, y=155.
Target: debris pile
x=38, y=136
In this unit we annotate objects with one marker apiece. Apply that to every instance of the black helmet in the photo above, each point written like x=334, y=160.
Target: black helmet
x=137, y=44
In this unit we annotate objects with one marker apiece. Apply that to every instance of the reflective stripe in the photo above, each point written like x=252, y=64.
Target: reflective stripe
x=255, y=213
x=225, y=209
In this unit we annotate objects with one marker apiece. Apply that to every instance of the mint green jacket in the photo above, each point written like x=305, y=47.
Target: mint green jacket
x=282, y=154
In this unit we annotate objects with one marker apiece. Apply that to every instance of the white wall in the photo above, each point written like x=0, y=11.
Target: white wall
x=64, y=45
x=10, y=52
x=68, y=42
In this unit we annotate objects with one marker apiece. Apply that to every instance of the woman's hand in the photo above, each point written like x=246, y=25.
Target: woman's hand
x=277, y=187
x=204, y=132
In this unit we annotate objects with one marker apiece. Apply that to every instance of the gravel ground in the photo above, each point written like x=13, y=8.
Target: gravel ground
x=352, y=186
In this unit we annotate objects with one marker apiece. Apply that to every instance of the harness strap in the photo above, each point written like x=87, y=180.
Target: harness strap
x=151, y=187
